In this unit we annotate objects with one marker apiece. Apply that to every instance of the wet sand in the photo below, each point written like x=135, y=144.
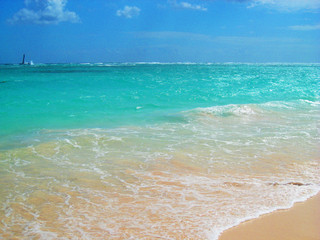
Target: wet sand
x=301, y=222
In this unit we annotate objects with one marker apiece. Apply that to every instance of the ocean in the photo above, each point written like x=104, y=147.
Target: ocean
x=153, y=150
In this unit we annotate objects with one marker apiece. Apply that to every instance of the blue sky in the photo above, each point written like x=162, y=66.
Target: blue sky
x=58, y=31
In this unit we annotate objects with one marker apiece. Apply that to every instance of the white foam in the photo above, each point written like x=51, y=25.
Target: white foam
x=74, y=144
x=313, y=103
x=236, y=110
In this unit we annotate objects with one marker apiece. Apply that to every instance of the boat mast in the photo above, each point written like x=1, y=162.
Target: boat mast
x=23, y=58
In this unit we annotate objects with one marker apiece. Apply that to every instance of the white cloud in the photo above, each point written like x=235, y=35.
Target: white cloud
x=187, y=5
x=129, y=12
x=288, y=5
x=305, y=27
x=44, y=12
x=192, y=6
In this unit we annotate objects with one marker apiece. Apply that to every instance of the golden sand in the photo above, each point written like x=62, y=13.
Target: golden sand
x=301, y=222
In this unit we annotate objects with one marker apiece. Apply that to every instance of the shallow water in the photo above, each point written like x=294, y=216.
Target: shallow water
x=145, y=151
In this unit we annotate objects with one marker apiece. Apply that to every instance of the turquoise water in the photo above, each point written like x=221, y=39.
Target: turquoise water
x=100, y=96
x=137, y=150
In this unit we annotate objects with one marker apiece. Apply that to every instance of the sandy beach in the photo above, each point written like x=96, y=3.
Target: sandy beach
x=301, y=222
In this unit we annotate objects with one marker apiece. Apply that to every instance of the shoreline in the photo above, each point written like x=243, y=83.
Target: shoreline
x=300, y=222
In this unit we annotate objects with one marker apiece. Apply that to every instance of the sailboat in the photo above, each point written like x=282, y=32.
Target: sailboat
x=24, y=62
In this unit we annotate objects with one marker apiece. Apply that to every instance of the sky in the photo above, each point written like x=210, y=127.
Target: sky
x=78, y=31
